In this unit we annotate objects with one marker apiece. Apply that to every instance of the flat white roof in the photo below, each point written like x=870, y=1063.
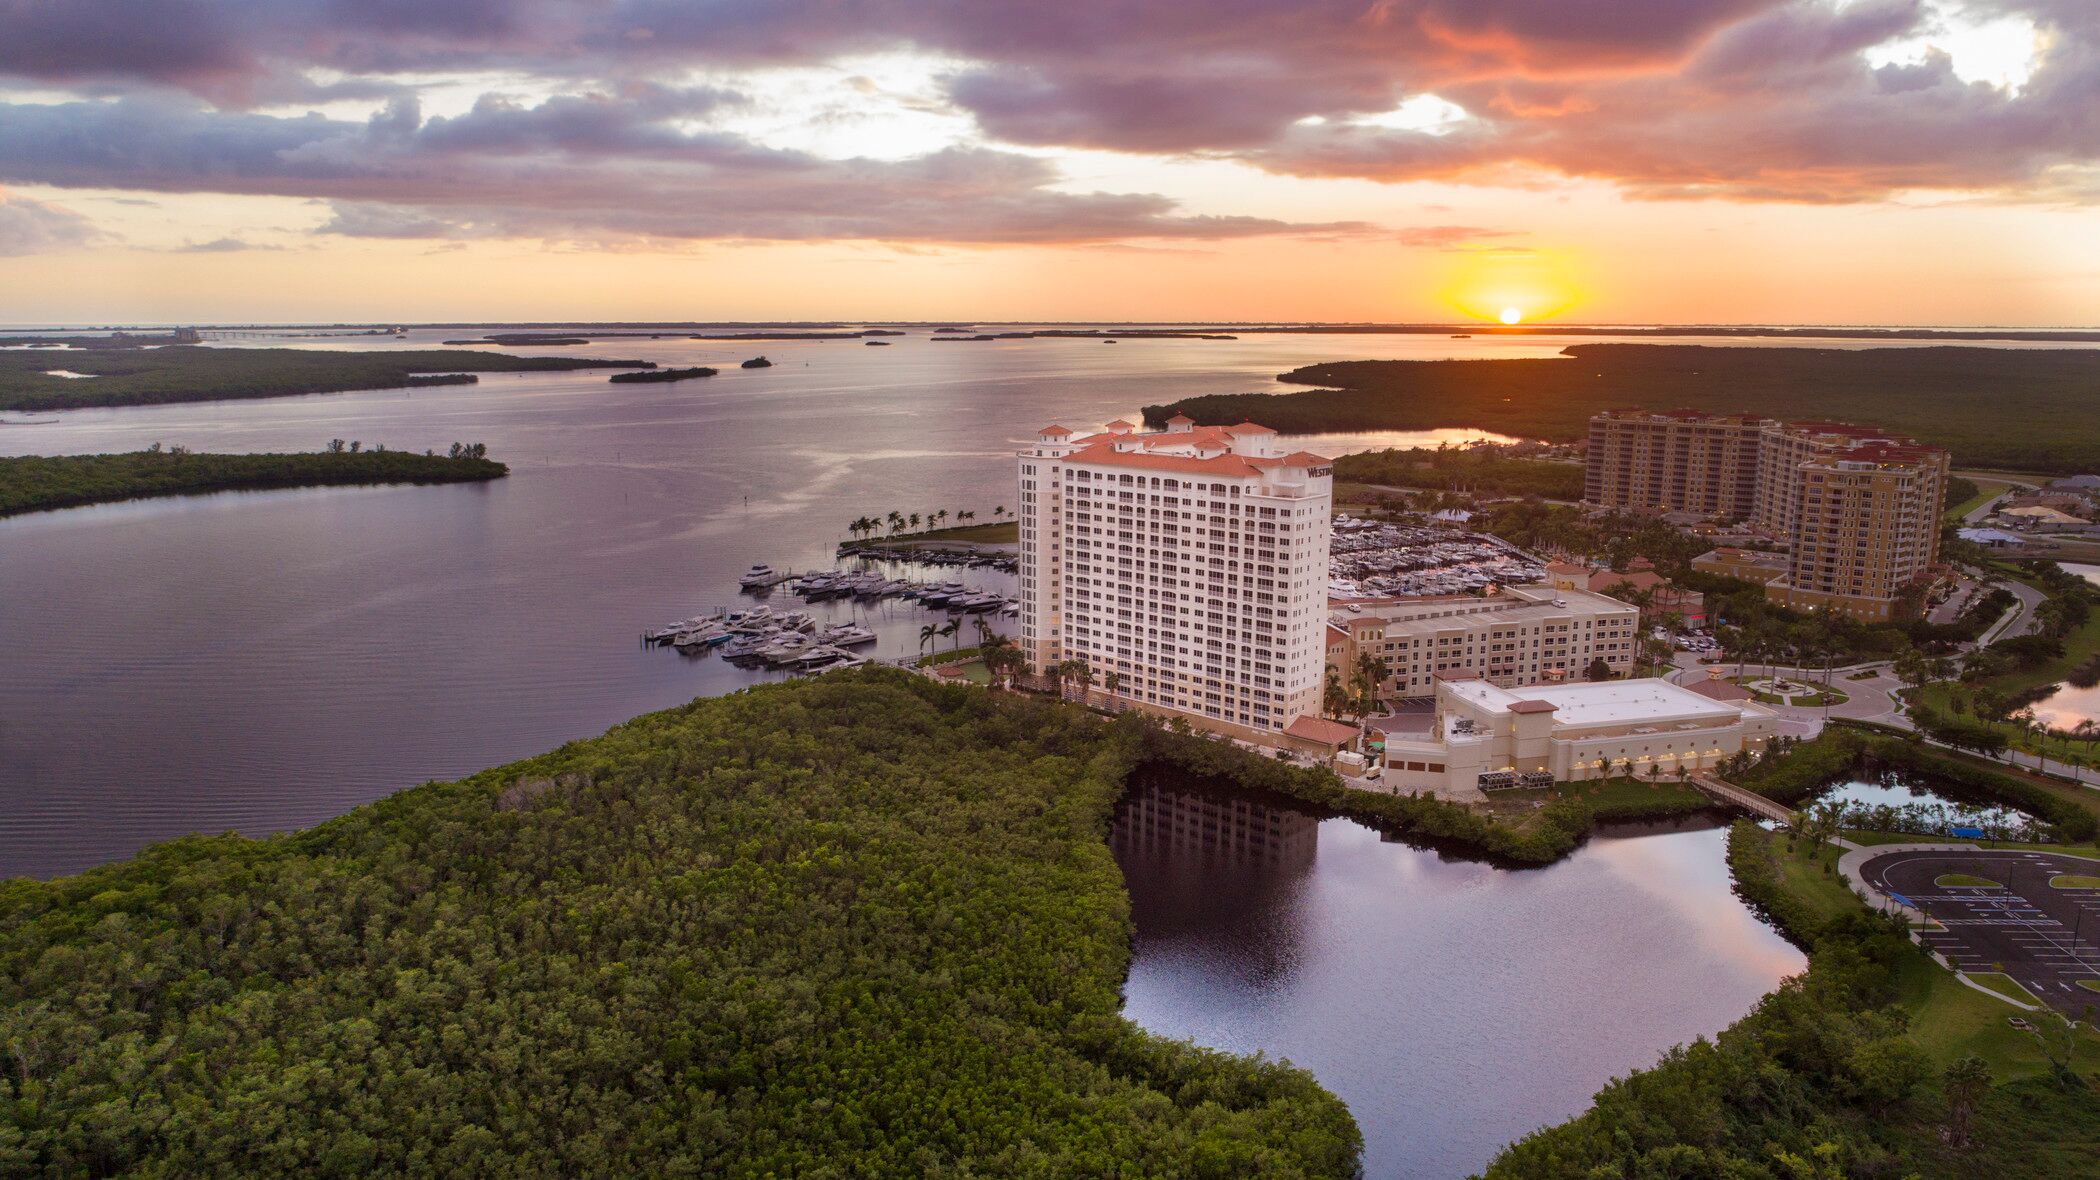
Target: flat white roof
x=1608, y=702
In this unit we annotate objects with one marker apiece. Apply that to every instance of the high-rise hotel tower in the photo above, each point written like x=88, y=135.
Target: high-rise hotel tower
x=1858, y=508
x=1189, y=562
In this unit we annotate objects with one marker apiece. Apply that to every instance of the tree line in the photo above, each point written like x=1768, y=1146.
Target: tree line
x=857, y=925
x=38, y=483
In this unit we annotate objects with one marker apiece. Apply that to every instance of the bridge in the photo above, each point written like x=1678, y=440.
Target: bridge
x=1735, y=796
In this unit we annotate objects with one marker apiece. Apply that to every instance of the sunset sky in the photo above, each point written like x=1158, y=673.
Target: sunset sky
x=1871, y=161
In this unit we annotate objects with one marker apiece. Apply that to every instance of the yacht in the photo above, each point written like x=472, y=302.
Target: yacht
x=848, y=635
x=758, y=577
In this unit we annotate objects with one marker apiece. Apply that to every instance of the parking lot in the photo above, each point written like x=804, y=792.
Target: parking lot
x=2046, y=937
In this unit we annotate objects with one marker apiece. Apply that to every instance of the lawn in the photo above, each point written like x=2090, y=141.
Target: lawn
x=1816, y=697
x=1948, y=1019
x=1986, y=491
x=2004, y=985
x=2079, y=646
x=1965, y=881
x=1625, y=798
x=2074, y=881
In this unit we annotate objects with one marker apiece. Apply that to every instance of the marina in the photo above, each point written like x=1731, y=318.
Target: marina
x=1373, y=559
x=759, y=636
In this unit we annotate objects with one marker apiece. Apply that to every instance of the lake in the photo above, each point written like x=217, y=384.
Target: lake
x=2069, y=704
x=1455, y=1007
x=258, y=661
x=262, y=661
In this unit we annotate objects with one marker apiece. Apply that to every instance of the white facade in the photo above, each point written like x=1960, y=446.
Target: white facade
x=1189, y=562
x=1570, y=732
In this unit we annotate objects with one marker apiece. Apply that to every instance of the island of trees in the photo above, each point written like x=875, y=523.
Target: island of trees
x=38, y=483
x=1481, y=470
x=2017, y=409
x=649, y=375
x=131, y=377
x=860, y=925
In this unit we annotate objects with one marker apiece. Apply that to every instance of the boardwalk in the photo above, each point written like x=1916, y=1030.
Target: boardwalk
x=1749, y=801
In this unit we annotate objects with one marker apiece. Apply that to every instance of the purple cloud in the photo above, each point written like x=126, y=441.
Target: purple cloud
x=1757, y=99
x=588, y=167
x=33, y=227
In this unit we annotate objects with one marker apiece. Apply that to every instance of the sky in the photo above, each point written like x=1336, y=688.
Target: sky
x=1600, y=161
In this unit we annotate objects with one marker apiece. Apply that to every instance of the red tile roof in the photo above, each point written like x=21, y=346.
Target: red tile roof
x=1054, y=430
x=1532, y=706
x=1319, y=729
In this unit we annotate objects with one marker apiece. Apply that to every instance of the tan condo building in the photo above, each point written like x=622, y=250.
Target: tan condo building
x=1857, y=508
x=1189, y=562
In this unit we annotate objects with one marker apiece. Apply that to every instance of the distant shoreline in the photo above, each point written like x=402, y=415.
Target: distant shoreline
x=2088, y=335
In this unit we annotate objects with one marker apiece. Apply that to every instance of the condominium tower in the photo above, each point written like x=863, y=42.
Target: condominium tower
x=1858, y=509
x=1190, y=563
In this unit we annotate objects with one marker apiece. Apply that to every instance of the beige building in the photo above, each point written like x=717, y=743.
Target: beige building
x=1857, y=508
x=1515, y=635
x=1674, y=461
x=1190, y=562
x=1485, y=736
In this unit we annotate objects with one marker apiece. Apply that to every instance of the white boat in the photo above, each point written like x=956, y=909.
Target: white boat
x=848, y=635
x=759, y=576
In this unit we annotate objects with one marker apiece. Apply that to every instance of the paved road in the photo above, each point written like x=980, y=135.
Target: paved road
x=2047, y=938
x=2022, y=623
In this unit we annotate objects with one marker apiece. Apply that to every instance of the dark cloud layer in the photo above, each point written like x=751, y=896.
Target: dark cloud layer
x=595, y=166
x=1753, y=99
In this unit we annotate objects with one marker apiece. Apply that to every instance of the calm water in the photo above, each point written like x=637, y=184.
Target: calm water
x=1901, y=790
x=262, y=661
x=1454, y=1007
x=2069, y=704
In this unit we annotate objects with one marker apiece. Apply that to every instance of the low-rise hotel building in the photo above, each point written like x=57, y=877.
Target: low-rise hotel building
x=1513, y=635
x=1191, y=563
x=1485, y=736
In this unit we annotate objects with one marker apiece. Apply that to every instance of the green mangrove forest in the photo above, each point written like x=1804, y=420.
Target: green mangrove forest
x=649, y=375
x=152, y=376
x=2015, y=409
x=37, y=483
x=858, y=925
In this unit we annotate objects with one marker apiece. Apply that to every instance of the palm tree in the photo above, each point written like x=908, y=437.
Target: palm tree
x=896, y=520
x=1334, y=699
x=999, y=652
x=913, y=520
x=998, y=512
x=1077, y=672
x=1370, y=675
x=1965, y=1082
x=928, y=634
x=954, y=628
x=1112, y=681
x=984, y=631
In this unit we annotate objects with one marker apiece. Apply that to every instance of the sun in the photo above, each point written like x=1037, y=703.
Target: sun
x=1510, y=315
